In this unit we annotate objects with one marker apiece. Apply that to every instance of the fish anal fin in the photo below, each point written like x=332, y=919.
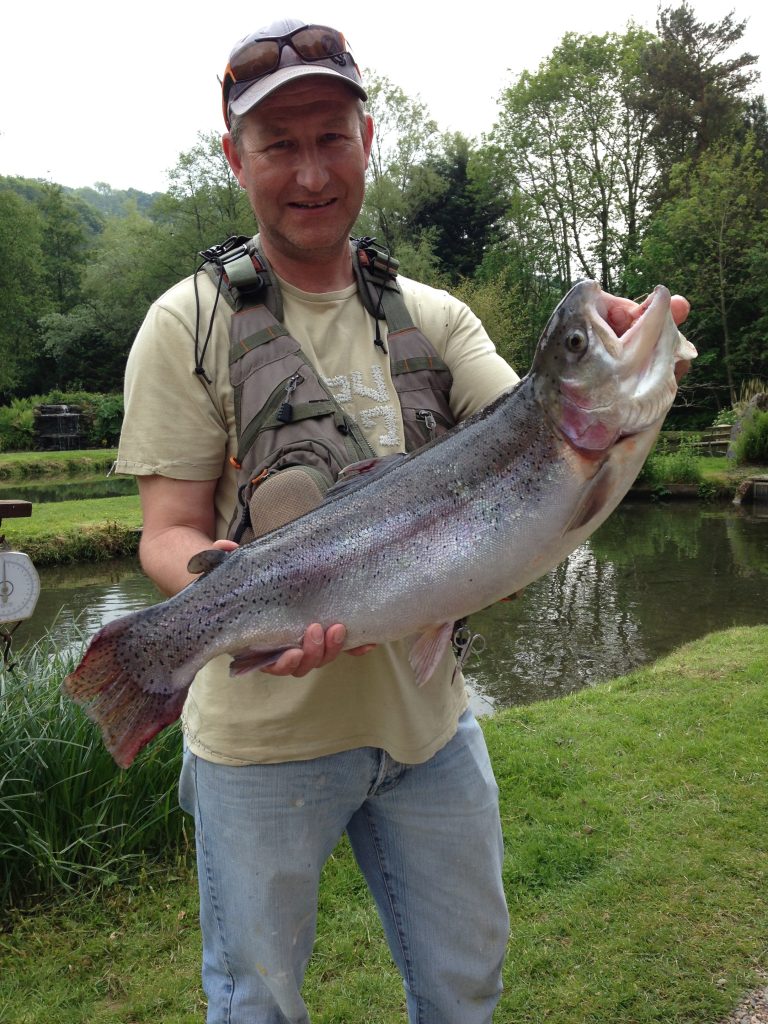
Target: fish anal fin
x=206, y=560
x=250, y=660
x=594, y=500
x=428, y=649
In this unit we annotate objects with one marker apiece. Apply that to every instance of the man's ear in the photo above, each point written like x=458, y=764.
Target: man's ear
x=368, y=137
x=233, y=157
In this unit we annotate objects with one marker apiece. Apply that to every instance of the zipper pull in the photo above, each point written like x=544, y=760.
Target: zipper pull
x=285, y=412
x=428, y=420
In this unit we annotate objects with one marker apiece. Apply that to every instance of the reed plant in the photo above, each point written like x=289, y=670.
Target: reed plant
x=68, y=816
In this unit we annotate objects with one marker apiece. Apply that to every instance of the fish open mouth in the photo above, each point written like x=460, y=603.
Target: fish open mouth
x=635, y=347
x=624, y=383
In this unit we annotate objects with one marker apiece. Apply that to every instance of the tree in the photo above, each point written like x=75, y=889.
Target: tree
x=204, y=204
x=576, y=155
x=132, y=263
x=23, y=295
x=66, y=243
x=710, y=243
x=461, y=214
x=695, y=94
x=405, y=137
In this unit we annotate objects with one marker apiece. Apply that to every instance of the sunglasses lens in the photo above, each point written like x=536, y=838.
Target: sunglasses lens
x=317, y=42
x=255, y=60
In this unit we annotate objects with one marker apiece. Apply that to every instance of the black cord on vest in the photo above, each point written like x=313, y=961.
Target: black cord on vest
x=200, y=355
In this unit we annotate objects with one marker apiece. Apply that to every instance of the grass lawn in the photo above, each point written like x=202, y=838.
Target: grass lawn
x=68, y=531
x=26, y=465
x=636, y=868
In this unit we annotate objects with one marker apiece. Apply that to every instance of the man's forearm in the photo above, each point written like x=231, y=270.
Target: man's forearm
x=164, y=556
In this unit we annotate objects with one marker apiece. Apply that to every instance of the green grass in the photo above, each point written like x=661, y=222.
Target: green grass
x=26, y=465
x=67, y=813
x=636, y=867
x=68, y=531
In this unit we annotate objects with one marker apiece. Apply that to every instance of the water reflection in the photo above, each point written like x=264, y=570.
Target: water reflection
x=52, y=489
x=650, y=579
x=86, y=596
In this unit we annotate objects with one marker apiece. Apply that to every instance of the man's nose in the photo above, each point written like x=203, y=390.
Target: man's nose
x=312, y=173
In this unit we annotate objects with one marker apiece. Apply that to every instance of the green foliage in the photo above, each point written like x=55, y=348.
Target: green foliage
x=502, y=310
x=101, y=418
x=751, y=446
x=67, y=813
x=23, y=295
x=708, y=242
x=692, y=89
x=65, y=245
x=107, y=420
x=203, y=206
x=664, y=466
x=725, y=418
x=405, y=138
x=575, y=156
x=462, y=213
x=112, y=202
x=17, y=426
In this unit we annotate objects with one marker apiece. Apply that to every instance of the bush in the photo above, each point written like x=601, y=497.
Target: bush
x=17, y=426
x=664, y=467
x=100, y=422
x=751, y=446
x=725, y=418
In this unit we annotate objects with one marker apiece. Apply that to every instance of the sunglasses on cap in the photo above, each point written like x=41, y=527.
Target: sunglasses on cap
x=313, y=44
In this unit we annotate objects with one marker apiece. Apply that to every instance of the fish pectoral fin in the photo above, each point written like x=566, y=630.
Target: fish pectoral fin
x=206, y=560
x=249, y=660
x=597, y=495
x=428, y=649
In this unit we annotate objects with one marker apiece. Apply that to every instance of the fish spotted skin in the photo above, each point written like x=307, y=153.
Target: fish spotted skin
x=428, y=537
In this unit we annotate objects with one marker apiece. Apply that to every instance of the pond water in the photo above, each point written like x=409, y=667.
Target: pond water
x=51, y=489
x=651, y=578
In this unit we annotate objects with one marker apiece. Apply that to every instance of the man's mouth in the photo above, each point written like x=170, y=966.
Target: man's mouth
x=313, y=206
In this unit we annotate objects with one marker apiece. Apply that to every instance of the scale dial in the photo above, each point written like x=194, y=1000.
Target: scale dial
x=19, y=586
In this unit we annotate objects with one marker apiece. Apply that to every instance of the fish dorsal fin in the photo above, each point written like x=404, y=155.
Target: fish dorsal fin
x=206, y=560
x=357, y=474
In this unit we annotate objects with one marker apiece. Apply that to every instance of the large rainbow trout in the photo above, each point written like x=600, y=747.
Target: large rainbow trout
x=407, y=545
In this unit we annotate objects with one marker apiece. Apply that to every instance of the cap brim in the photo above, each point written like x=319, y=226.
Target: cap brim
x=257, y=91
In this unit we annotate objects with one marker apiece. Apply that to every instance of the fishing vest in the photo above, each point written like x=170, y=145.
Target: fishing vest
x=293, y=437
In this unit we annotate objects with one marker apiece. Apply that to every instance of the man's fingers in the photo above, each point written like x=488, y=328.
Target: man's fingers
x=317, y=648
x=680, y=307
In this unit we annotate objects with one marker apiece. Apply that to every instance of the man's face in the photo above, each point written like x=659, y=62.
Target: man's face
x=302, y=160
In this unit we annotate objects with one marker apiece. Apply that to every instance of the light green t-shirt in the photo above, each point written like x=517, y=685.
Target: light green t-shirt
x=178, y=427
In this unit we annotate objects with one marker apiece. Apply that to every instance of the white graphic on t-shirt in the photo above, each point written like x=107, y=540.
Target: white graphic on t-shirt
x=340, y=388
x=346, y=387
x=387, y=413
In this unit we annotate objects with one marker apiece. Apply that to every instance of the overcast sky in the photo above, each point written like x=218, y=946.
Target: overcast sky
x=93, y=91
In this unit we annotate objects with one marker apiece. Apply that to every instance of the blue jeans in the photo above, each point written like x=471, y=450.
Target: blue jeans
x=427, y=838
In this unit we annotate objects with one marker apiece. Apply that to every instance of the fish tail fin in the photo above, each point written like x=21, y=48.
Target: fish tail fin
x=127, y=712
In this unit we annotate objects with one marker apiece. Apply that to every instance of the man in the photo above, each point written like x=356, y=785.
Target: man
x=276, y=769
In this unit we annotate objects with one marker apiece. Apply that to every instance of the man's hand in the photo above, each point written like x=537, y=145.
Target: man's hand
x=317, y=648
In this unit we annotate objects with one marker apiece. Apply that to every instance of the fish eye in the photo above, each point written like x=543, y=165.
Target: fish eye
x=576, y=341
